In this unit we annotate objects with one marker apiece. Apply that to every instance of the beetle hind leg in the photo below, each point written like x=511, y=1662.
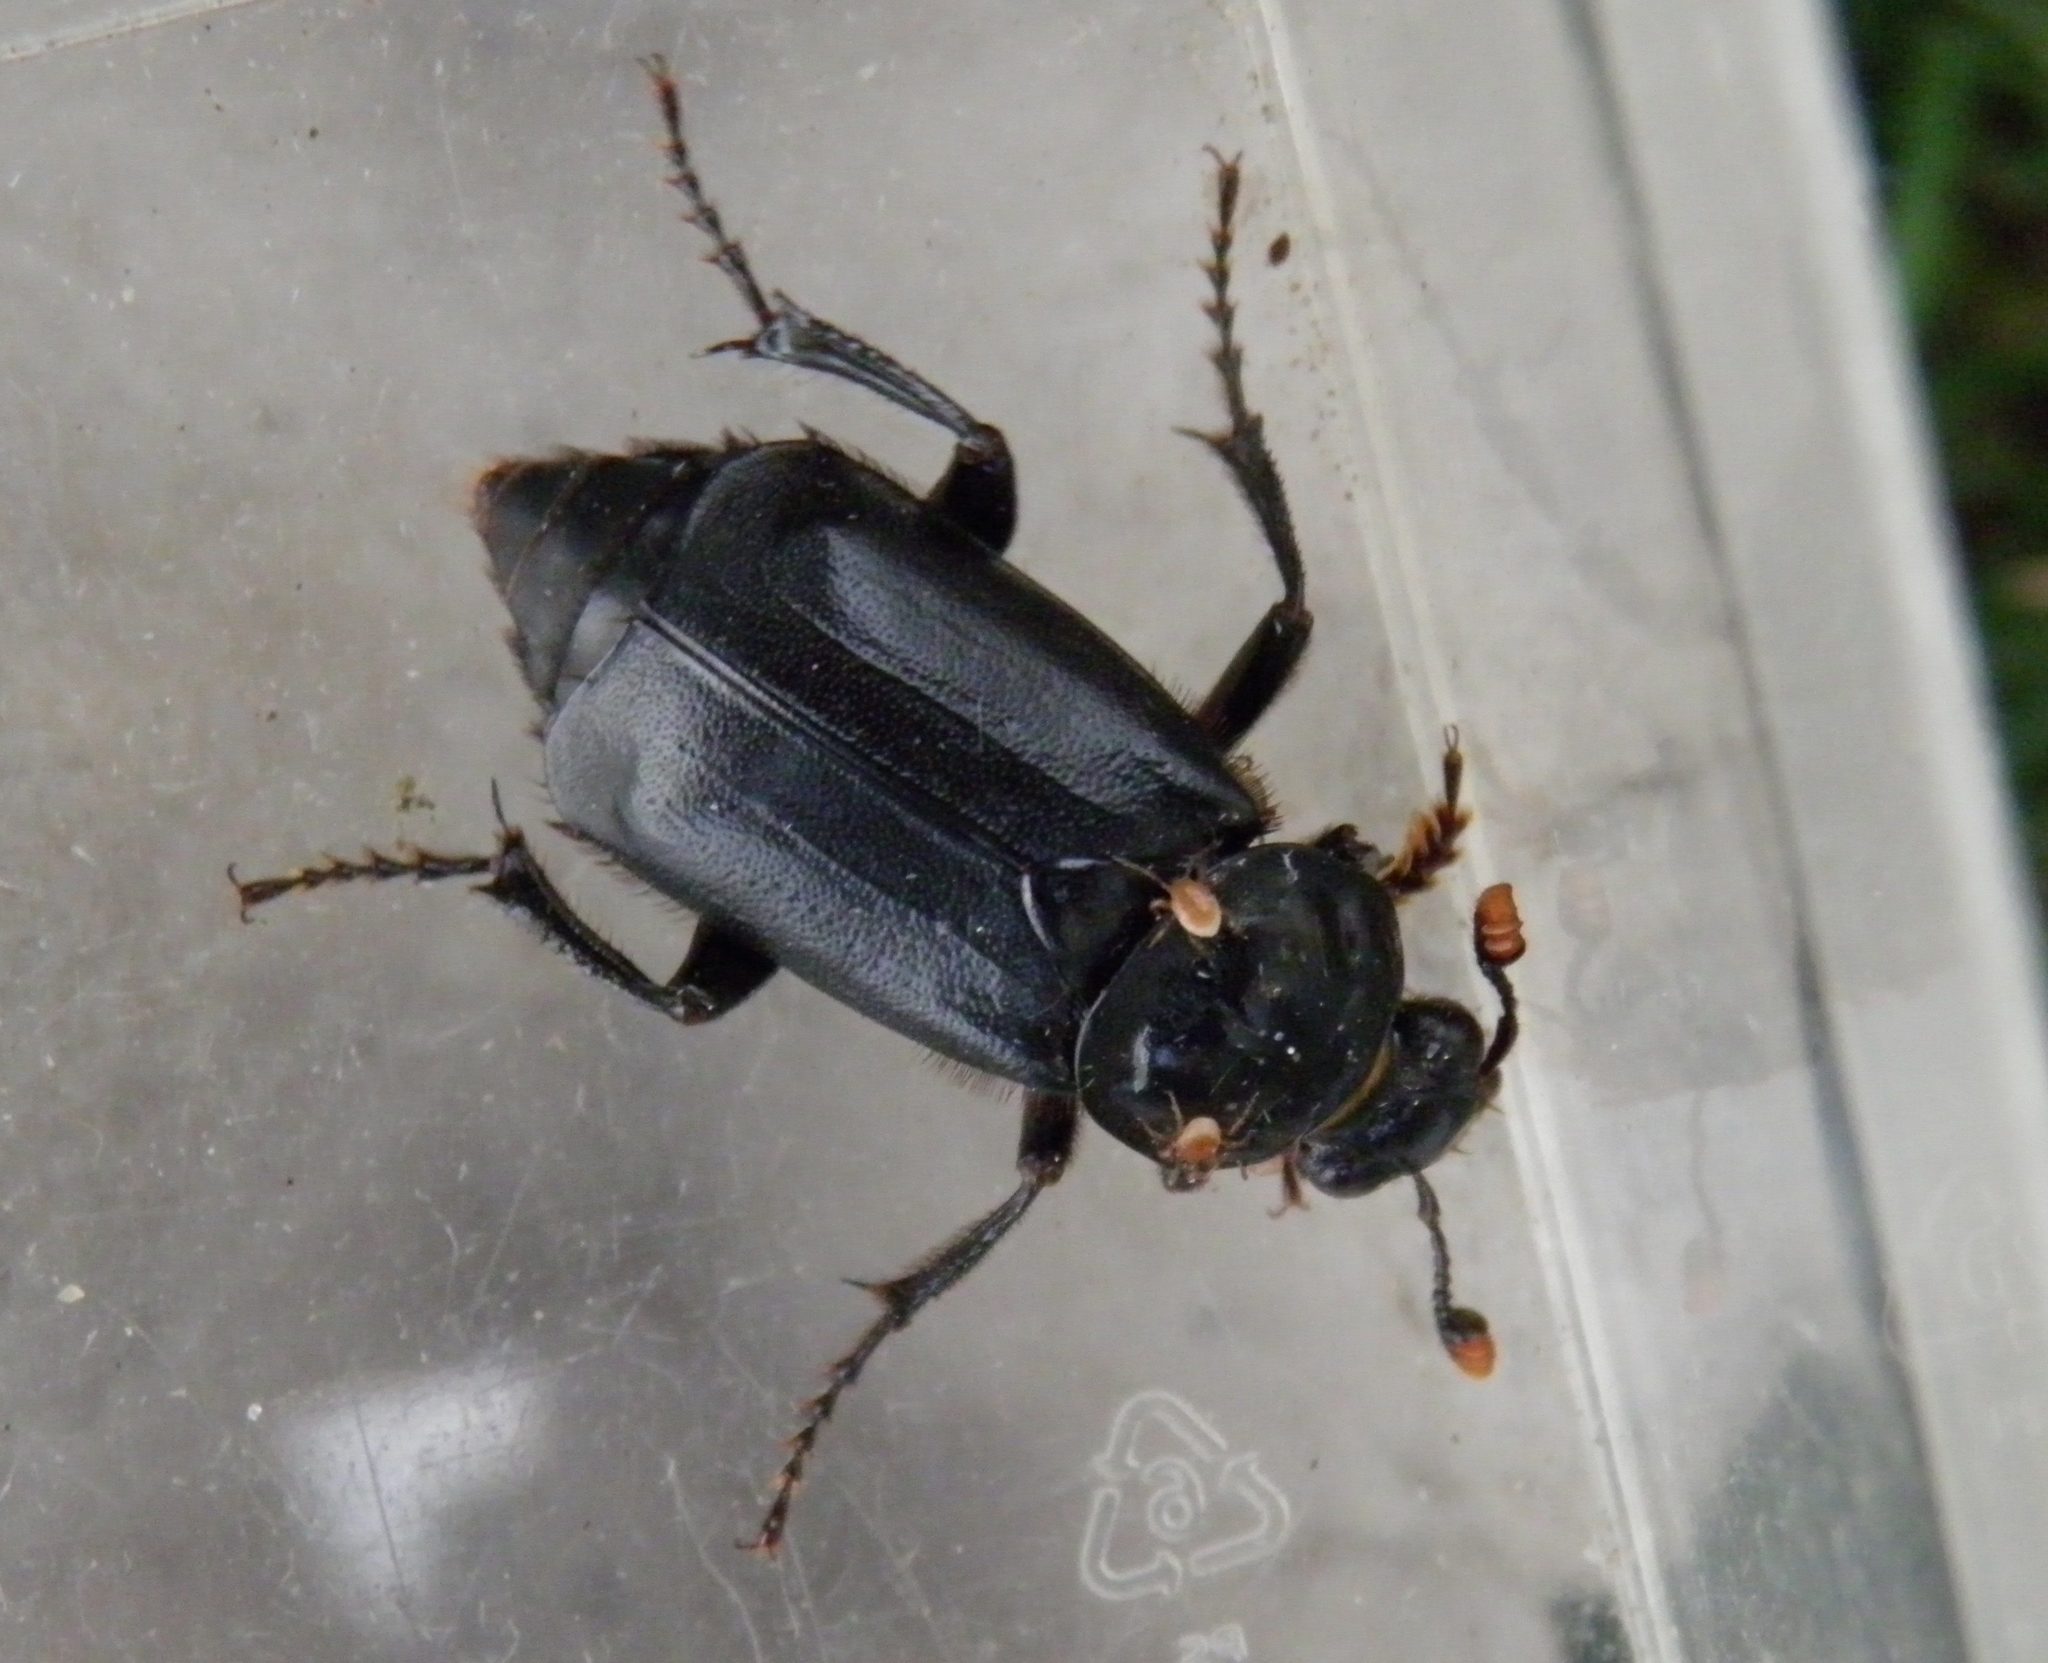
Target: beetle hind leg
x=718, y=972
x=1267, y=659
x=978, y=491
x=1044, y=1147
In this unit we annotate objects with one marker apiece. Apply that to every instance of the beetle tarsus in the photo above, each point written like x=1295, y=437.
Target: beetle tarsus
x=1432, y=840
x=1044, y=1146
x=726, y=253
x=407, y=861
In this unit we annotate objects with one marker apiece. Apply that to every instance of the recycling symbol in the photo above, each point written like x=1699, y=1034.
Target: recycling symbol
x=1174, y=1504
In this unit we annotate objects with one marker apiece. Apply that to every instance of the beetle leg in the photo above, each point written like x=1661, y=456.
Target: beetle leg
x=1291, y=1197
x=718, y=971
x=1043, y=1149
x=1432, y=840
x=407, y=861
x=978, y=491
x=1267, y=659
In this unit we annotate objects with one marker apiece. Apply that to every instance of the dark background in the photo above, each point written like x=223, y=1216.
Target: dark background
x=1957, y=92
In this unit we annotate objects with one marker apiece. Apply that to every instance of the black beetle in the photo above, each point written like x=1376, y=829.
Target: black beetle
x=824, y=713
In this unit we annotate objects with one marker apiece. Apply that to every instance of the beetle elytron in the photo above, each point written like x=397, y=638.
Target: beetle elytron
x=826, y=715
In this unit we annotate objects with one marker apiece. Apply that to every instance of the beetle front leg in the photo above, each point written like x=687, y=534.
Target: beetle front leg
x=1291, y=1197
x=1267, y=660
x=1432, y=840
x=978, y=491
x=1043, y=1148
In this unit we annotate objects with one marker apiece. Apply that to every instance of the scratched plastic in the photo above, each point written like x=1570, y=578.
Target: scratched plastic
x=378, y=1288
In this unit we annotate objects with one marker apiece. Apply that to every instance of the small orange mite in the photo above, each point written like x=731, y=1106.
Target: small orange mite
x=1198, y=1144
x=1194, y=907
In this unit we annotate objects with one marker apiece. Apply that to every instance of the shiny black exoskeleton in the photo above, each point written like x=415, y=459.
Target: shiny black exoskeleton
x=826, y=715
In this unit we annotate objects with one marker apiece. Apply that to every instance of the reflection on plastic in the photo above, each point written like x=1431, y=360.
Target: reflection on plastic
x=1220, y=1645
x=387, y=1474
x=1174, y=1504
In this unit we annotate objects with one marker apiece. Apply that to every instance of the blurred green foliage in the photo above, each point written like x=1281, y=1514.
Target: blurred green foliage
x=1957, y=92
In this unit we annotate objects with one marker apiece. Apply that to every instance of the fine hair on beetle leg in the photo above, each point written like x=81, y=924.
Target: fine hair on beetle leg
x=1043, y=1148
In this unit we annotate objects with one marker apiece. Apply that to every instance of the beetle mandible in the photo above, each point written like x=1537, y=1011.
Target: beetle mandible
x=827, y=715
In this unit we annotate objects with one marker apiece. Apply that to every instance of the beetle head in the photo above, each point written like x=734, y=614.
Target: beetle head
x=1435, y=1081
x=1219, y=1047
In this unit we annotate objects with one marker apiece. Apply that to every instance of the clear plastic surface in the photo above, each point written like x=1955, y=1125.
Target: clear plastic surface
x=379, y=1288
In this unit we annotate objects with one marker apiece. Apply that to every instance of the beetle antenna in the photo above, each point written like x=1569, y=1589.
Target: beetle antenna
x=1497, y=942
x=1463, y=1331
